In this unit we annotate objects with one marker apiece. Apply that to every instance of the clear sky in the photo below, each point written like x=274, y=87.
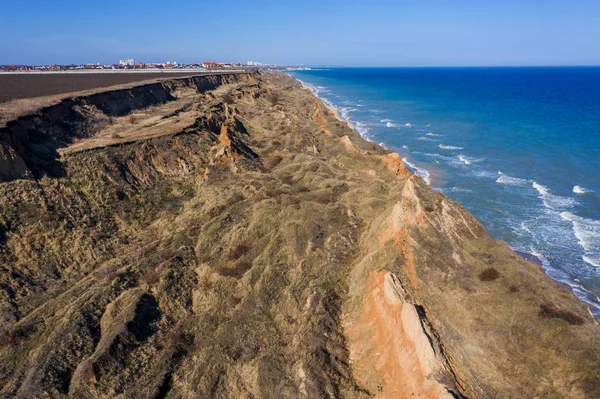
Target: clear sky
x=352, y=33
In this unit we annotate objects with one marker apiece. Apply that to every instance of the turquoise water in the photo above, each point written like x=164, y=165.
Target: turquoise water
x=518, y=147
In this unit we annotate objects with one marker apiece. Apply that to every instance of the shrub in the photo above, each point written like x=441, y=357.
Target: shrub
x=238, y=251
x=549, y=311
x=228, y=98
x=272, y=98
x=237, y=270
x=151, y=276
x=489, y=274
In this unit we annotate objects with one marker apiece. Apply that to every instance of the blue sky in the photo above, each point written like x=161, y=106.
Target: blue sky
x=366, y=33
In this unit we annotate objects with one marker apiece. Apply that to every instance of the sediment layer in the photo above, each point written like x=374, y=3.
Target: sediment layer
x=227, y=236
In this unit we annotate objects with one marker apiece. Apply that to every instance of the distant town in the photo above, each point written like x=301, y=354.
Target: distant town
x=131, y=65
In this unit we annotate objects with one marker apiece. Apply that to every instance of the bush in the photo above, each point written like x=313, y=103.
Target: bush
x=228, y=98
x=237, y=270
x=238, y=252
x=489, y=274
x=549, y=311
x=272, y=98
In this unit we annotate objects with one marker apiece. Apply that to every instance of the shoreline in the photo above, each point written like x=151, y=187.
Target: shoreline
x=567, y=286
x=332, y=108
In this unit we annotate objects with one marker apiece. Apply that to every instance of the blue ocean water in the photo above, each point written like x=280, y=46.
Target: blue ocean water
x=518, y=147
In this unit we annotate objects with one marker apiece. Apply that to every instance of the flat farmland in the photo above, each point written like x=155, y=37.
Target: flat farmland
x=19, y=86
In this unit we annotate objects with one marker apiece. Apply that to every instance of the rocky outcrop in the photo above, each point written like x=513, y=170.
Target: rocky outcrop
x=229, y=237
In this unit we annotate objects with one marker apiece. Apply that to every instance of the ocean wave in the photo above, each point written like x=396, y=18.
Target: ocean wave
x=385, y=120
x=551, y=201
x=465, y=160
x=390, y=124
x=485, y=174
x=423, y=138
x=460, y=190
x=361, y=129
x=432, y=134
x=511, y=181
x=579, y=190
x=587, y=232
x=424, y=173
x=592, y=261
x=525, y=228
x=345, y=112
x=408, y=125
x=405, y=146
x=448, y=147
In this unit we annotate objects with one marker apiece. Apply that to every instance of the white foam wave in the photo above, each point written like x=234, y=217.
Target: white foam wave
x=449, y=147
x=464, y=160
x=592, y=261
x=385, y=120
x=361, y=129
x=390, y=124
x=345, y=112
x=485, y=174
x=408, y=125
x=550, y=200
x=423, y=138
x=405, y=146
x=524, y=227
x=586, y=230
x=511, y=181
x=432, y=134
x=460, y=190
x=424, y=173
x=579, y=190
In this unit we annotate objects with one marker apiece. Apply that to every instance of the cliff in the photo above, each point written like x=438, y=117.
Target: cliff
x=227, y=236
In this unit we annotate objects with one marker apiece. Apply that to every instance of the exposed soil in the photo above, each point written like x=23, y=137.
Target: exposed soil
x=15, y=86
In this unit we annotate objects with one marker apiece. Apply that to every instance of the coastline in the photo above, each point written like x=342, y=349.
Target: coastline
x=569, y=286
x=330, y=107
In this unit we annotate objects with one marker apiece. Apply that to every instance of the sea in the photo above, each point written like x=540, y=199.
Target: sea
x=519, y=147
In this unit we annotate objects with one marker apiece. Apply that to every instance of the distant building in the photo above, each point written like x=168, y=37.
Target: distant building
x=129, y=62
x=210, y=64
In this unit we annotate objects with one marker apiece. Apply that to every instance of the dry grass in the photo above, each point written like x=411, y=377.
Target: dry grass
x=14, y=109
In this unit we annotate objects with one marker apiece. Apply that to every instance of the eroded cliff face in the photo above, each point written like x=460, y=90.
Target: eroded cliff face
x=231, y=238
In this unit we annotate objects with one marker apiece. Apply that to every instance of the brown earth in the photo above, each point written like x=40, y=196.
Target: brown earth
x=21, y=94
x=228, y=237
x=16, y=86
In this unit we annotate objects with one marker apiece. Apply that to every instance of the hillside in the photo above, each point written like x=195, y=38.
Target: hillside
x=226, y=236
